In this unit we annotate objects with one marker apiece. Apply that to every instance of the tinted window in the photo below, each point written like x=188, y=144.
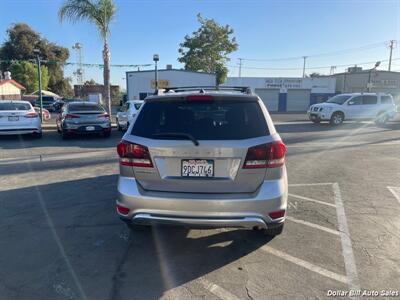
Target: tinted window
x=338, y=99
x=15, y=106
x=47, y=99
x=218, y=120
x=356, y=100
x=85, y=107
x=386, y=100
x=370, y=100
x=137, y=105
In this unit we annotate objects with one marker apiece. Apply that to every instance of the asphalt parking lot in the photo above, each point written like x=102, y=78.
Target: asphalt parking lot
x=60, y=237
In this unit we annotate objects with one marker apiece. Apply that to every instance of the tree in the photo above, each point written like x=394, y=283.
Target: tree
x=314, y=74
x=26, y=73
x=208, y=48
x=100, y=13
x=19, y=46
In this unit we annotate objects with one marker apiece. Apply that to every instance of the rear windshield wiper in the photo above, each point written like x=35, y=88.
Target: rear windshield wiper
x=178, y=134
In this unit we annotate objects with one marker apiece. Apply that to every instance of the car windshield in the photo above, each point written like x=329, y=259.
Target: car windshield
x=14, y=106
x=338, y=99
x=218, y=120
x=84, y=107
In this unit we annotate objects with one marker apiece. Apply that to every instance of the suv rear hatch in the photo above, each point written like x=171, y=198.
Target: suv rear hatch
x=198, y=144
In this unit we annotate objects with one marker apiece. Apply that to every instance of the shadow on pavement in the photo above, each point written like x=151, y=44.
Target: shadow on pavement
x=57, y=237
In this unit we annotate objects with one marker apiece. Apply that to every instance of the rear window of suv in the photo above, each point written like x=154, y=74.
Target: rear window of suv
x=216, y=120
x=84, y=107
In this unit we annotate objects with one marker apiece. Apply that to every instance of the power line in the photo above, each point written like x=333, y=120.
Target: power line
x=345, y=51
x=314, y=67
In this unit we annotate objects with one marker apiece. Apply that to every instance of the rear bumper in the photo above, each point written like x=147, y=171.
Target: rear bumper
x=82, y=129
x=203, y=210
x=22, y=130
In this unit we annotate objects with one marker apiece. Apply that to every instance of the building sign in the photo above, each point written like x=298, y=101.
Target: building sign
x=162, y=84
x=283, y=83
x=387, y=83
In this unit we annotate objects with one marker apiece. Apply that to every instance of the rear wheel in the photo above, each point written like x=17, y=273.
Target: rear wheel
x=276, y=230
x=37, y=135
x=381, y=118
x=337, y=118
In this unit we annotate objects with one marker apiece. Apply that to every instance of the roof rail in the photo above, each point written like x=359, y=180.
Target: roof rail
x=203, y=89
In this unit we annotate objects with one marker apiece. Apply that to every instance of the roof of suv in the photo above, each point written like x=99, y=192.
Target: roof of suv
x=218, y=92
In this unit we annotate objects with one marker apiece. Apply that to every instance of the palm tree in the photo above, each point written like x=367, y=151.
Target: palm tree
x=100, y=13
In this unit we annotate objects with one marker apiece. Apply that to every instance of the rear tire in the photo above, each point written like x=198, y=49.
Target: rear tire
x=381, y=118
x=275, y=230
x=337, y=118
x=37, y=135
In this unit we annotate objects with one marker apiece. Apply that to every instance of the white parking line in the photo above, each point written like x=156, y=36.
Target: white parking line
x=395, y=191
x=347, y=249
x=311, y=200
x=311, y=184
x=217, y=290
x=323, y=228
x=305, y=264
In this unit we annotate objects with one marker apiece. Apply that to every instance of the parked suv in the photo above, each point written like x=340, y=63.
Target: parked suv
x=203, y=157
x=379, y=107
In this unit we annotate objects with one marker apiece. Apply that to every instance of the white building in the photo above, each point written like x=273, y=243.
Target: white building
x=141, y=83
x=288, y=94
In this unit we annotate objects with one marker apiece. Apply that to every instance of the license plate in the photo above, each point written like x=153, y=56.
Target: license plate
x=89, y=128
x=13, y=118
x=197, y=168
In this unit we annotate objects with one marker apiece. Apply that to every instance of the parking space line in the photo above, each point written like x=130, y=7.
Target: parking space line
x=217, y=290
x=323, y=228
x=347, y=248
x=311, y=200
x=395, y=193
x=310, y=184
x=305, y=264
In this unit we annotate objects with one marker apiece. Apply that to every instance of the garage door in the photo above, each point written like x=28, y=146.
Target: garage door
x=298, y=100
x=270, y=97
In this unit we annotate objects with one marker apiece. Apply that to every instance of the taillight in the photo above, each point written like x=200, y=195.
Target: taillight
x=31, y=115
x=134, y=155
x=71, y=116
x=200, y=98
x=277, y=214
x=122, y=209
x=270, y=155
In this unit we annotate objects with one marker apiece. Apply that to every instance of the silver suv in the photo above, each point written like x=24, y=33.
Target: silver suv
x=203, y=157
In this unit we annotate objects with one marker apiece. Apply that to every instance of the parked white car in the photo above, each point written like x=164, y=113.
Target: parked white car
x=127, y=113
x=379, y=107
x=19, y=117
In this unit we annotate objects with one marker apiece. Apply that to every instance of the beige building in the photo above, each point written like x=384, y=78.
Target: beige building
x=10, y=89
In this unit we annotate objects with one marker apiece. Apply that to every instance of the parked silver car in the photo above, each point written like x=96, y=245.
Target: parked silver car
x=203, y=158
x=78, y=118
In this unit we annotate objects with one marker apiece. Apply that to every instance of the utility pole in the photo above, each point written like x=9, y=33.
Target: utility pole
x=240, y=67
x=37, y=52
x=304, y=66
x=332, y=71
x=391, y=46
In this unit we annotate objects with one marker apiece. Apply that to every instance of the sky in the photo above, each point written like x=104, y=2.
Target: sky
x=273, y=36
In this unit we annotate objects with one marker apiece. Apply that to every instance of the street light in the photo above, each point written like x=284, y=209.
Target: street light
x=377, y=64
x=156, y=58
x=37, y=53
